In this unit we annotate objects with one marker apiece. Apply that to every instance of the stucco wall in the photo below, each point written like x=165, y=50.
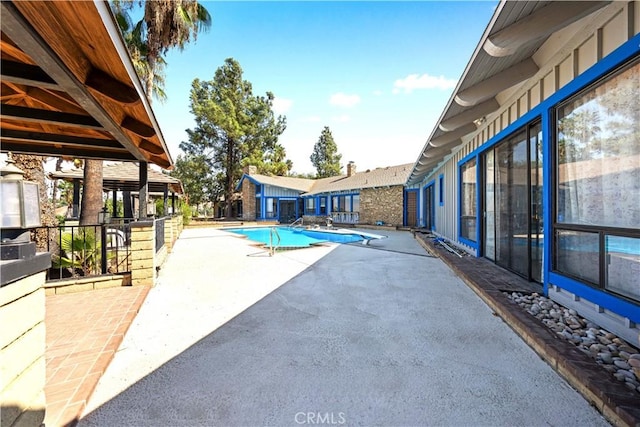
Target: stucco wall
x=381, y=204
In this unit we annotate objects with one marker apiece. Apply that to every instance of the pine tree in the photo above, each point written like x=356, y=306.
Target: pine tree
x=325, y=155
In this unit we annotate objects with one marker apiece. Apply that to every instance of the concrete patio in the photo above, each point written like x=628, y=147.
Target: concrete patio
x=381, y=335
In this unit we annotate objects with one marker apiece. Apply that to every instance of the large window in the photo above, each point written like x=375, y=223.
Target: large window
x=310, y=206
x=323, y=206
x=597, y=195
x=468, y=199
x=356, y=203
x=271, y=207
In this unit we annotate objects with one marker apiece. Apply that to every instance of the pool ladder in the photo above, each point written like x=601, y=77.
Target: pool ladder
x=297, y=224
x=273, y=248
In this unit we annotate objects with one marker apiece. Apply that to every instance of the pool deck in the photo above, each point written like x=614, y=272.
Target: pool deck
x=375, y=335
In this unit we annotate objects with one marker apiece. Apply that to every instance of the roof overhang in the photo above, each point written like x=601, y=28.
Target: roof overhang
x=502, y=59
x=125, y=177
x=68, y=86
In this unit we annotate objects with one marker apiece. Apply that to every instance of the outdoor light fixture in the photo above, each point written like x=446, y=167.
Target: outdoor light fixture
x=19, y=211
x=104, y=217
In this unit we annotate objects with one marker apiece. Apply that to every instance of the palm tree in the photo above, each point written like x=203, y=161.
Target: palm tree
x=166, y=24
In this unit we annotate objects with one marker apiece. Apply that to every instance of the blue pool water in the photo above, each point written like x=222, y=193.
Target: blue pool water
x=294, y=238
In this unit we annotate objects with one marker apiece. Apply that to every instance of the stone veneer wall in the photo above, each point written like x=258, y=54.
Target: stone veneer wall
x=381, y=204
x=22, y=348
x=248, y=200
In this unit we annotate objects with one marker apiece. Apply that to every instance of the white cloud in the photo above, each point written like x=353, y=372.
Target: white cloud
x=281, y=105
x=414, y=82
x=341, y=119
x=343, y=100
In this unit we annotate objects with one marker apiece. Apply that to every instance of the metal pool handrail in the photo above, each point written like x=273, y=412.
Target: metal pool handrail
x=298, y=226
x=272, y=248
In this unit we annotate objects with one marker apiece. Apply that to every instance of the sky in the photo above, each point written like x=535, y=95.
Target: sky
x=378, y=74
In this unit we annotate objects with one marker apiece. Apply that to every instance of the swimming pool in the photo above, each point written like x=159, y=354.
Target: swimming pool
x=291, y=238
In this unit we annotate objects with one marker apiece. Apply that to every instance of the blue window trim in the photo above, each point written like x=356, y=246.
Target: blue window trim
x=441, y=189
x=475, y=245
x=405, y=210
x=431, y=183
x=545, y=113
x=604, y=299
x=330, y=197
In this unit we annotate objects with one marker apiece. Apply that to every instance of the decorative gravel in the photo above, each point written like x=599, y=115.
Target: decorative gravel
x=614, y=354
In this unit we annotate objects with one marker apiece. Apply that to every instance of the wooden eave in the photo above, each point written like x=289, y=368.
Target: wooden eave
x=68, y=87
x=502, y=59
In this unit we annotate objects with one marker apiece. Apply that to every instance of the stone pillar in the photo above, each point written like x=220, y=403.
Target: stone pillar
x=22, y=341
x=143, y=251
x=169, y=230
x=143, y=190
x=248, y=200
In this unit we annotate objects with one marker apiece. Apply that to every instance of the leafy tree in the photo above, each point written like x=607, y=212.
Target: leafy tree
x=325, y=155
x=234, y=128
x=33, y=169
x=198, y=180
x=166, y=24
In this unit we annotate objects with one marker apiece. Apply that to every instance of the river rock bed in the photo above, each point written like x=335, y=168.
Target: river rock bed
x=612, y=353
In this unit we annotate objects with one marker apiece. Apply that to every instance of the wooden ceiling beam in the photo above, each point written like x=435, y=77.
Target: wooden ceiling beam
x=26, y=37
x=450, y=138
x=71, y=151
x=495, y=84
x=25, y=74
x=48, y=117
x=54, y=138
x=539, y=25
x=55, y=100
x=469, y=115
x=111, y=88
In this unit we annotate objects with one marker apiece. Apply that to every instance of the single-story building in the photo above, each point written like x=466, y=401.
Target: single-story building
x=374, y=196
x=534, y=163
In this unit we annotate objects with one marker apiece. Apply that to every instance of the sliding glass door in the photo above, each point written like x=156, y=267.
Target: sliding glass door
x=429, y=197
x=512, y=229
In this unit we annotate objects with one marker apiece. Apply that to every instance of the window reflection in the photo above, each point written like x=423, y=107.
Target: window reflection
x=623, y=265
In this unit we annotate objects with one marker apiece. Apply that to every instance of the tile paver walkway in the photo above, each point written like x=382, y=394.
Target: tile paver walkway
x=84, y=331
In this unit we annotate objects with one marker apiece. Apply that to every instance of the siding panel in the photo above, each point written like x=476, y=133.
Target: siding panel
x=614, y=33
x=587, y=54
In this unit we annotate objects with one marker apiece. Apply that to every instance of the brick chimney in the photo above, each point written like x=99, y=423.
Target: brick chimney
x=250, y=170
x=351, y=169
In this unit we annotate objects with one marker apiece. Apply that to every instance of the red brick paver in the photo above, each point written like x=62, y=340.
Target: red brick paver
x=84, y=331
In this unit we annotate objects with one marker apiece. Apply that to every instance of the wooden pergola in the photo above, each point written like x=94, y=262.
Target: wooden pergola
x=69, y=88
x=123, y=177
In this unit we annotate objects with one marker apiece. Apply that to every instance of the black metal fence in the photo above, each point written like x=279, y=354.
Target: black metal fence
x=159, y=233
x=90, y=250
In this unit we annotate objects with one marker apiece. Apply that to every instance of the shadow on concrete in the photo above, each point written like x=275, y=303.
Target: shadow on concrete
x=361, y=337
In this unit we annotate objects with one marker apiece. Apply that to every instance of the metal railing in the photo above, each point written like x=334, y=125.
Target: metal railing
x=89, y=250
x=297, y=224
x=346, y=217
x=273, y=248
